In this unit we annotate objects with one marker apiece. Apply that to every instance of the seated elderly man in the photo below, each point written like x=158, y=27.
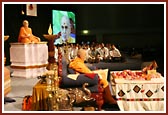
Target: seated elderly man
x=26, y=35
x=79, y=66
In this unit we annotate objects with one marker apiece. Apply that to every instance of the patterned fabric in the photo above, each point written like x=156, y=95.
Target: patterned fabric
x=149, y=93
x=162, y=88
x=139, y=95
x=137, y=89
x=121, y=93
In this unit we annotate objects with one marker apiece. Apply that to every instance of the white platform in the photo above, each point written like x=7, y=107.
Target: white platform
x=28, y=59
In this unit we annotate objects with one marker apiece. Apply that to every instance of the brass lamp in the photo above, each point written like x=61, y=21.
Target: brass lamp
x=53, y=88
x=51, y=38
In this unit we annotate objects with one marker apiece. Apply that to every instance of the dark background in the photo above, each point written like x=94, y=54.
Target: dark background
x=138, y=26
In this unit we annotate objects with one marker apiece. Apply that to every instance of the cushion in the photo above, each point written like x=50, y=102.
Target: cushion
x=103, y=73
x=81, y=79
x=92, y=67
x=71, y=71
x=94, y=88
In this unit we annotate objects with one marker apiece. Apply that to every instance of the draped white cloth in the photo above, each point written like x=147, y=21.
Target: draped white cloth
x=140, y=95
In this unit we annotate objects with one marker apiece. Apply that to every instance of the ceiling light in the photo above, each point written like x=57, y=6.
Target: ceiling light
x=85, y=31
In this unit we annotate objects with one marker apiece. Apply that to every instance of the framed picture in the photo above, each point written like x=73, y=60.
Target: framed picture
x=31, y=9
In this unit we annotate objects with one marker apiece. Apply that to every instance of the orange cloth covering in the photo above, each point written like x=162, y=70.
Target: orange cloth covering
x=78, y=65
x=25, y=32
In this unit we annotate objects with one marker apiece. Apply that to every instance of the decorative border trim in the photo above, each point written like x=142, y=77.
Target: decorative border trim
x=141, y=99
x=28, y=67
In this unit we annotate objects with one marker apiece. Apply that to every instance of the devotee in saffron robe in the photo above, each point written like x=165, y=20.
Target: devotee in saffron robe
x=25, y=34
x=79, y=66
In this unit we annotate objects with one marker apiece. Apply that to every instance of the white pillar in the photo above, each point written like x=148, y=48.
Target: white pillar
x=28, y=59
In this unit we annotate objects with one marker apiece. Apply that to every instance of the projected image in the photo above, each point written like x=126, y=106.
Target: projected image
x=64, y=24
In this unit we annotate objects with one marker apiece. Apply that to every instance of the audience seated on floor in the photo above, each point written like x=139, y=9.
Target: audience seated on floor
x=93, y=55
x=103, y=51
x=94, y=52
x=115, y=55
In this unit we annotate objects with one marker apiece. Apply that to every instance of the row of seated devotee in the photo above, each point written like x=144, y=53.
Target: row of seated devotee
x=95, y=52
